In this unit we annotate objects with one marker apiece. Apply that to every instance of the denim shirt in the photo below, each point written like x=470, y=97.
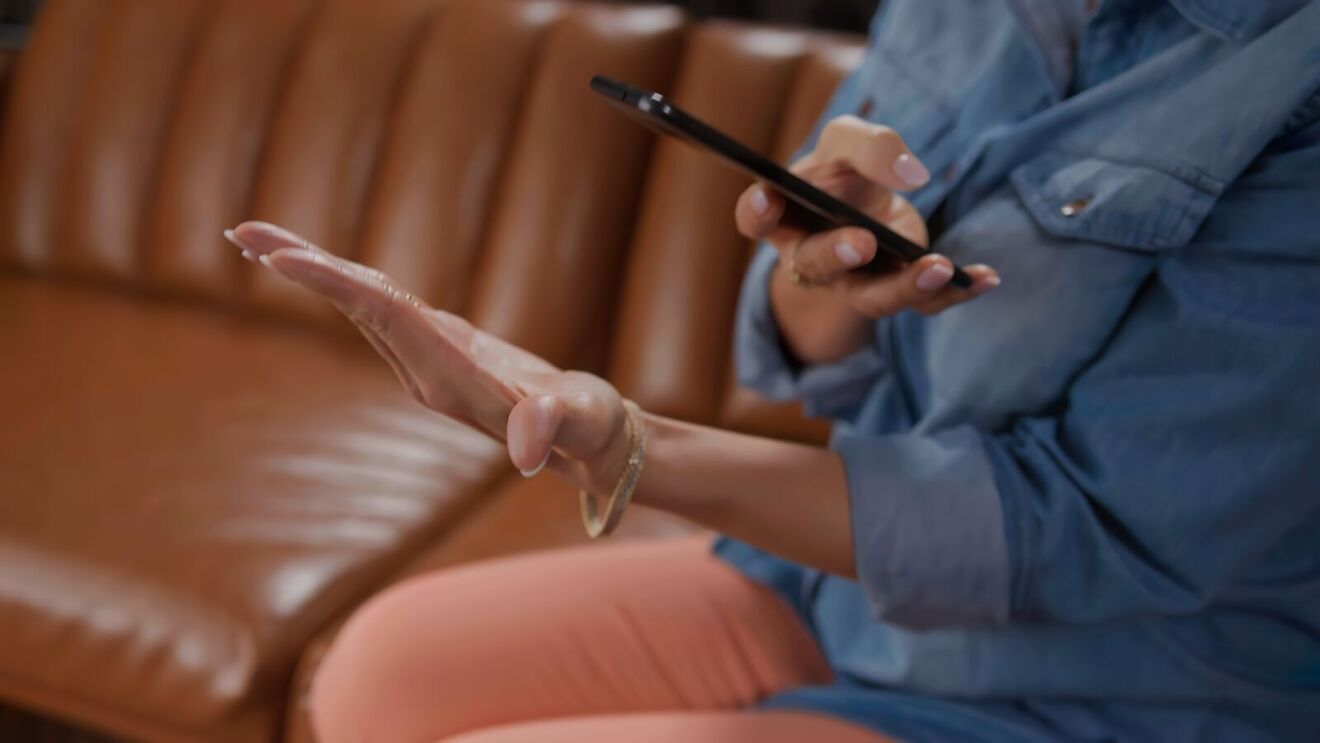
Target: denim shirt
x=1086, y=505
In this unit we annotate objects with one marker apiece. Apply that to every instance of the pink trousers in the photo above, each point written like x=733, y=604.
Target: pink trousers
x=643, y=642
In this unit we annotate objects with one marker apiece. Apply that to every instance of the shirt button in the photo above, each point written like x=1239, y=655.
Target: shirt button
x=1074, y=207
x=865, y=109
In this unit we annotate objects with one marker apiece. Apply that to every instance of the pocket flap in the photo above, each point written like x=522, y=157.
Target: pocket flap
x=1133, y=206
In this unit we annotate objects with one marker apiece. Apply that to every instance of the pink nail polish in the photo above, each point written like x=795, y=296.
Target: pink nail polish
x=760, y=202
x=911, y=171
x=233, y=240
x=847, y=254
x=533, y=472
x=546, y=405
x=934, y=277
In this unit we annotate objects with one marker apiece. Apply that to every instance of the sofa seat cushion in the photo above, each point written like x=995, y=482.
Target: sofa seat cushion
x=189, y=496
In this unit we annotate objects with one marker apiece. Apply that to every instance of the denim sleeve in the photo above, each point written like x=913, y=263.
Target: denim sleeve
x=1184, y=452
x=1181, y=455
x=764, y=364
x=928, y=527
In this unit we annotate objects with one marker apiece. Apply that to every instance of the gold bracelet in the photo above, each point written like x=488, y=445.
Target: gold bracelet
x=596, y=524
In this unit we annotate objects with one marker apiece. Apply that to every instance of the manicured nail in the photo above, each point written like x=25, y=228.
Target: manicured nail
x=911, y=171
x=232, y=238
x=265, y=261
x=847, y=254
x=545, y=408
x=934, y=277
x=985, y=277
x=533, y=472
x=248, y=256
x=760, y=202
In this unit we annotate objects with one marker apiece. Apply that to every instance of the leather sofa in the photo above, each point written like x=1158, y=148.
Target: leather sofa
x=202, y=471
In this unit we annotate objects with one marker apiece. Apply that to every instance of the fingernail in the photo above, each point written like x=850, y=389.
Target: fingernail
x=760, y=202
x=545, y=406
x=265, y=261
x=248, y=256
x=911, y=170
x=934, y=277
x=533, y=472
x=847, y=254
x=233, y=239
x=985, y=277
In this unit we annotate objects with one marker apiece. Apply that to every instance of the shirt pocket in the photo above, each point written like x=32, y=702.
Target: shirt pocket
x=1075, y=237
x=1091, y=199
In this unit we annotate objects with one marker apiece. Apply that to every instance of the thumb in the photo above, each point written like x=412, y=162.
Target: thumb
x=531, y=430
x=580, y=415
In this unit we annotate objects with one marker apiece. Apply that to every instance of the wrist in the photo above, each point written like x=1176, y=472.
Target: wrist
x=673, y=449
x=600, y=514
x=604, y=471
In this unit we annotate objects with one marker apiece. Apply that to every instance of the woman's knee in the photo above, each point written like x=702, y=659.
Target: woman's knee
x=386, y=677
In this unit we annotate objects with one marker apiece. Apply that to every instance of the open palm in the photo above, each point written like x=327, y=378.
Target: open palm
x=571, y=419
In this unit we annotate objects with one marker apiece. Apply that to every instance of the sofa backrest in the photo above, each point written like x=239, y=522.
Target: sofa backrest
x=452, y=143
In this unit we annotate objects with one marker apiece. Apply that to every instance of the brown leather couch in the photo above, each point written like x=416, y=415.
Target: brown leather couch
x=201, y=470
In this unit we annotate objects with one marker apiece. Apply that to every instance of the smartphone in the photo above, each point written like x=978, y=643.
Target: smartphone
x=807, y=207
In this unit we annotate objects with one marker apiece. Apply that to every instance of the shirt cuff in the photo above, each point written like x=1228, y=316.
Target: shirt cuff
x=765, y=365
x=928, y=527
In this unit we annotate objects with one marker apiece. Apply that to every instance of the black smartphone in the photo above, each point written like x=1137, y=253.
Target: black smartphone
x=807, y=207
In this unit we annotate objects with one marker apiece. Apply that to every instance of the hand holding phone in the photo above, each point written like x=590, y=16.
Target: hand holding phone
x=834, y=215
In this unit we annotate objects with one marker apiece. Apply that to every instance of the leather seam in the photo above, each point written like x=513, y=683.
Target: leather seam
x=478, y=265
x=242, y=286
x=141, y=243
x=407, y=69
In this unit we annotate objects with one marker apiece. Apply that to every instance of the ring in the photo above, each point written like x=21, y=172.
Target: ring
x=794, y=275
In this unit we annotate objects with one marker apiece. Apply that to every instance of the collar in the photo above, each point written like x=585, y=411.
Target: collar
x=1236, y=20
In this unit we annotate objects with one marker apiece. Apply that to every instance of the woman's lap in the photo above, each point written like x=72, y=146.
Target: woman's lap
x=688, y=727
x=596, y=633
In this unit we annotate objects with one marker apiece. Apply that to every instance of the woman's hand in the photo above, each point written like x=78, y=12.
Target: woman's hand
x=572, y=421
x=787, y=498
x=826, y=313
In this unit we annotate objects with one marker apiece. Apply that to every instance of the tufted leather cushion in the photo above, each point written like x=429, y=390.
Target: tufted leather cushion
x=170, y=538
x=201, y=471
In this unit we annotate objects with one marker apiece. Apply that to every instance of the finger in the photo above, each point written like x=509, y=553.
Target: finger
x=984, y=278
x=592, y=413
x=364, y=294
x=824, y=256
x=875, y=151
x=889, y=294
x=262, y=239
x=531, y=430
x=256, y=239
x=369, y=322
x=758, y=211
x=370, y=299
x=765, y=226
x=400, y=371
x=435, y=347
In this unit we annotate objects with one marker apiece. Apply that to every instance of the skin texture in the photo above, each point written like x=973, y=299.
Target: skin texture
x=788, y=499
